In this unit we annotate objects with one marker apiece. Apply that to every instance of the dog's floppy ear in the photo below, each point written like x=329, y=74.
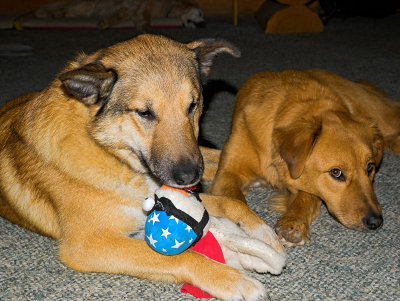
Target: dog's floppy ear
x=206, y=49
x=90, y=83
x=295, y=142
x=374, y=136
x=377, y=144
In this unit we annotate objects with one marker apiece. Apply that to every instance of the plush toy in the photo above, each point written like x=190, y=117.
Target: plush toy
x=178, y=220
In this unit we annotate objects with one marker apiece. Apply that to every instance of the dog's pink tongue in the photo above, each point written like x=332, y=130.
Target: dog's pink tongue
x=191, y=188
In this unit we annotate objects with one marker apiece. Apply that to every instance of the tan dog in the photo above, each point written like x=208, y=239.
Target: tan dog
x=316, y=135
x=78, y=158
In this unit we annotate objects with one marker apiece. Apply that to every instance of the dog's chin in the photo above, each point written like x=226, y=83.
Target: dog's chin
x=190, y=187
x=170, y=182
x=353, y=226
x=361, y=227
x=357, y=227
x=165, y=178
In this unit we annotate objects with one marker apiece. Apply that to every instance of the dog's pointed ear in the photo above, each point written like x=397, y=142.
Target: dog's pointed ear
x=90, y=83
x=207, y=49
x=295, y=142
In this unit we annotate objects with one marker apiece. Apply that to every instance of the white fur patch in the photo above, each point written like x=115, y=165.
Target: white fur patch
x=244, y=252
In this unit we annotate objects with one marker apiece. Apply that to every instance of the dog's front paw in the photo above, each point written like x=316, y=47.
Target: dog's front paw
x=292, y=231
x=266, y=234
x=225, y=282
x=244, y=252
x=246, y=288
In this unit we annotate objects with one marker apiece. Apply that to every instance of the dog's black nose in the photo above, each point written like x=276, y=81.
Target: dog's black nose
x=373, y=221
x=186, y=173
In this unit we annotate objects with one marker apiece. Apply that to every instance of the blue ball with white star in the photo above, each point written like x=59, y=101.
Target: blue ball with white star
x=167, y=234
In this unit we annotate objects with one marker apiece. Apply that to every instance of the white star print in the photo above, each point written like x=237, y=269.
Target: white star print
x=173, y=217
x=188, y=228
x=177, y=244
x=154, y=218
x=165, y=251
x=165, y=233
x=190, y=241
x=152, y=240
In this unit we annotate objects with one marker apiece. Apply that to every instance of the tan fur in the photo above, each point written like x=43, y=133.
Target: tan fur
x=299, y=128
x=78, y=158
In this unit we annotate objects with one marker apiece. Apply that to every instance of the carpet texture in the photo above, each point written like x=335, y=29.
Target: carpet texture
x=339, y=264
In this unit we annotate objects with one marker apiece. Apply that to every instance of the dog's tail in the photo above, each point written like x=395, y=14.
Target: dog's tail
x=280, y=201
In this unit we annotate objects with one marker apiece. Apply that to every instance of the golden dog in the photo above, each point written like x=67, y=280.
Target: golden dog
x=316, y=136
x=78, y=158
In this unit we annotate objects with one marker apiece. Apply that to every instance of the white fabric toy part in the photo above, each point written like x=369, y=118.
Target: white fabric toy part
x=177, y=220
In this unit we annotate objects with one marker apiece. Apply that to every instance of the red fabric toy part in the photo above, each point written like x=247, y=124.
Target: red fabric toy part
x=209, y=247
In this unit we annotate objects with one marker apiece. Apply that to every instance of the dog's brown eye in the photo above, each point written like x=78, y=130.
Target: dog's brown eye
x=337, y=174
x=146, y=114
x=370, y=168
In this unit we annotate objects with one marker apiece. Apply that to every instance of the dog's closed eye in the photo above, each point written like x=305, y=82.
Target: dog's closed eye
x=192, y=107
x=146, y=114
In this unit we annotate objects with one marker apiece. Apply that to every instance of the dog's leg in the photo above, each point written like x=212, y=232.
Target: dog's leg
x=239, y=213
x=293, y=226
x=238, y=165
x=228, y=184
x=211, y=159
x=112, y=253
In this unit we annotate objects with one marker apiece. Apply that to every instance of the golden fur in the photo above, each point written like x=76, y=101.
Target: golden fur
x=315, y=136
x=78, y=158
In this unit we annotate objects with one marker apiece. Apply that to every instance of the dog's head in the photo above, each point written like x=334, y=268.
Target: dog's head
x=145, y=99
x=189, y=12
x=193, y=18
x=334, y=156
